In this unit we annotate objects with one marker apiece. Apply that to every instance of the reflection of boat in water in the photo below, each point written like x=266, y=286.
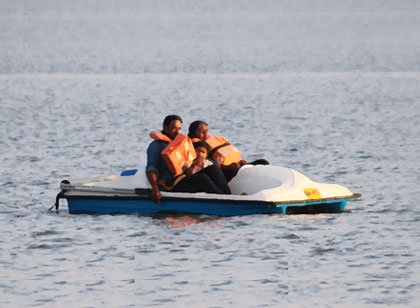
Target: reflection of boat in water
x=255, y=190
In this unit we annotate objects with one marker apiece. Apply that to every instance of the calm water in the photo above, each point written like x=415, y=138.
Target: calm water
x=330, y=90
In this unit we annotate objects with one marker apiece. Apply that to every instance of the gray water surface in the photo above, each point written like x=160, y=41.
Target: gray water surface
x=331, y=90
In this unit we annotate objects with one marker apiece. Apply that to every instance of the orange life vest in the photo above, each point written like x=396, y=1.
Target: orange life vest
x=159, y=136
x=180, y=152
x=222, y=151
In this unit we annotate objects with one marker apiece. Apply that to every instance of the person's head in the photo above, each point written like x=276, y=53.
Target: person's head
x=172, y=125
x=198, y=129
x=202, y=149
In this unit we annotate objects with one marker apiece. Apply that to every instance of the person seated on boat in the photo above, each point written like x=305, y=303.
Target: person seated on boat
x=225, y=154
x=159, y=175
x=201, y=161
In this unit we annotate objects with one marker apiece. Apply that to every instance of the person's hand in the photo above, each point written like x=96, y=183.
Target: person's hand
x=237, y=165
x=198, y=161
x=242, y=162
x=156, y=195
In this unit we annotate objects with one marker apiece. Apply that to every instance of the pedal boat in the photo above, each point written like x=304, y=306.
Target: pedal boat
x=255, y=190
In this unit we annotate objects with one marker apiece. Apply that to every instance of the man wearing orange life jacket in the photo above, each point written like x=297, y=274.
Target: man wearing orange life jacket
x=161, y=178
x=225, y=154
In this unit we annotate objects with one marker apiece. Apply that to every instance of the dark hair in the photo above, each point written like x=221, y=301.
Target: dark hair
x=170, y=118
x=193, y=128
x=202, y=144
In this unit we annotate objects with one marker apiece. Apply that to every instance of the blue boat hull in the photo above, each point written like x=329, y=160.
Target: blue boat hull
x=98, y=205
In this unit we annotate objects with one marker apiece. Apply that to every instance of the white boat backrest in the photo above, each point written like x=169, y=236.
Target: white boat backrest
x=252, y=179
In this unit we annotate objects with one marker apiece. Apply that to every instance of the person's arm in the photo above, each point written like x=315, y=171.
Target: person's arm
x=242, y=162
x=153, y=180
x=189, y=170
x=234, y=165
x=152, y=173
x=196, y=162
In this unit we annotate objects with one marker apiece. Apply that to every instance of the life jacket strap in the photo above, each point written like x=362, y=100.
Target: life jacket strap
x=171, y=183
x=217, y=148
x=156, y=135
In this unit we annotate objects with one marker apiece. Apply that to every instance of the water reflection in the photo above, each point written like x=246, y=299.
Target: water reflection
x=180, y=221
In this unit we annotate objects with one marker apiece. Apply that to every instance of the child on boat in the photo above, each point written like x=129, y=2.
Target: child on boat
x=230, y=161
x=202, y=149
